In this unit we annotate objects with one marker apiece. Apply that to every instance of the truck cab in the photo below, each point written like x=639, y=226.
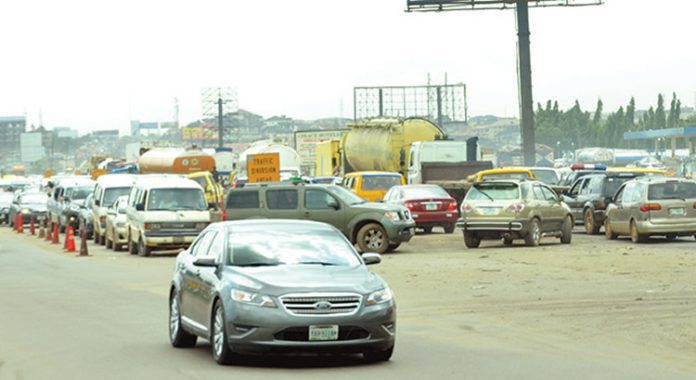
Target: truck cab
x=422, y=152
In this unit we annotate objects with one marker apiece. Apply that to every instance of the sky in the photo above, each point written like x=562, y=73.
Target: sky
x=94, y=65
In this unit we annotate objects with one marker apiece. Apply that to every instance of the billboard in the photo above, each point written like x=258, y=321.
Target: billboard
x=306, y=142
x=194, y=134
x=445, y=5
x=30, y=146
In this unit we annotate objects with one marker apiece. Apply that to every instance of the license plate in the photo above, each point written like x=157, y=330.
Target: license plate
x=677, y=211
x=178, y=239
x=430, y=207
x=489, y=210
x=322, y=333
x=412, y=230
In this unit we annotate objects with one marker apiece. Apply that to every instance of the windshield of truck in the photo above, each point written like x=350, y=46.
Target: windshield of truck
x=494, y=192
x=79, y=193
x=547, y=176
x=346, y=195
x=380, y=182
x=112, y=193
x=671, y=190
x=176, y=200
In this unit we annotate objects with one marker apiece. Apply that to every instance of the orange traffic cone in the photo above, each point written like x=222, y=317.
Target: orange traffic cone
x=70, y=240
x=56, y=239
x=32, y=227
x=49, y=230
x=20, y=223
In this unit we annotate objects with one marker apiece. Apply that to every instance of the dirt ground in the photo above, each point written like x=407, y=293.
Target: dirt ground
x=609, y=299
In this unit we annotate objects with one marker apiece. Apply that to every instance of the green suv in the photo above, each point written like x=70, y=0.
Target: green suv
x=511, y=210
x=374, y=227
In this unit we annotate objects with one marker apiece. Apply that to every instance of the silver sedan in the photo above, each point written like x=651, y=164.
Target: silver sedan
x=280, y=286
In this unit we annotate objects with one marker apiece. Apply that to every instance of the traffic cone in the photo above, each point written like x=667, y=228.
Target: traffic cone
x=56, y=239
x=83, y=240
x=42, y=230
x=70, y=240
x=20, y=223
x=32, y=227
x=49, y=230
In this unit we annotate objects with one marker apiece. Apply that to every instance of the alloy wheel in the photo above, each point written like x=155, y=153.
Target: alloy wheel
x=174, y=316
x=374, y=239
x=218, y=332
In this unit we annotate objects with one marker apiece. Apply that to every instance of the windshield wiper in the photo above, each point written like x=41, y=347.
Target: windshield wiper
x=258, y=264
x=486, y=195
x=315, y=263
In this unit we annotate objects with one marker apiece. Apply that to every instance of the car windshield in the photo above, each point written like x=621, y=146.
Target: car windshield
x=79, y=193
x=35, y=199
x=546, y=176
x=494, y=192
x=671, y=190
x=425, y=192
x=380, y=182
x=112, y=193
x=346, y=195
x=515, y=175
x=176, y=199
x=295, y=246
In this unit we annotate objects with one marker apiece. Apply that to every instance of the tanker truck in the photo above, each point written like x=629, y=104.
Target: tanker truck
x=175, y=161
x=290, y=160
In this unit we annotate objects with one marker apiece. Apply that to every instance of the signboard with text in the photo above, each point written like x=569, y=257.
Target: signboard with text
x=306, y=142
x=263, y=167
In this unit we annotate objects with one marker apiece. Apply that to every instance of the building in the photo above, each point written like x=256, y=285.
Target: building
x=11, y=128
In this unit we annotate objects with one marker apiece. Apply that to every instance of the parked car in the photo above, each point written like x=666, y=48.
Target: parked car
x=85, y=217
x=430, y=205
x=650, y=206
x=165, y=212
x=511, y=210
x=589, y=196
x=59, y=199
x=116, y=224
x=372, y=185
x=280, y=285
x=73, y=201
x=5, y=203
x=109, y=187
x=374, y=227
x=30, y=204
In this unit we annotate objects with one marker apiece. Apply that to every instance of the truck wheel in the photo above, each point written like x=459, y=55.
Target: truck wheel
x=534, y=235
x=373, y=238
x=449, y=228
x=143, y=250
x=393, y=247
x=471, y=240
x=567, y=231
x=591, y=226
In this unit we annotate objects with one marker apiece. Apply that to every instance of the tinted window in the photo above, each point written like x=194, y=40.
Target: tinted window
x=380, y=182
x=596, y=185
x=176, y=199
x=243, y=199
x=612, y=184
x=671, y=190
x=318, y=200
x=281, y=199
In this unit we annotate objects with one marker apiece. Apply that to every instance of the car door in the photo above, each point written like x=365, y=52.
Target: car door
x=572, y=198
x=542, y=206
x=282, y=204
x=192, y=290
x=209, y=278
x=623, y=211
x=319, y=205
x=555, y=213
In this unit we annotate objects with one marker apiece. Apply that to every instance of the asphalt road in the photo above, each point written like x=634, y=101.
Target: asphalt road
x=105, y=317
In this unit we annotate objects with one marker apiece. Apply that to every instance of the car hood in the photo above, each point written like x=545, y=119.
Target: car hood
x=284, y=279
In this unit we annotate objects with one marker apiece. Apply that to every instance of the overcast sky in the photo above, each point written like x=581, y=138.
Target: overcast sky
x=98, y=64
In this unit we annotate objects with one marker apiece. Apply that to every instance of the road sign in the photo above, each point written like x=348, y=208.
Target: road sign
x=263, y=167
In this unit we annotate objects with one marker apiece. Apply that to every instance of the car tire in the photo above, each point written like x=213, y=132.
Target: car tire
x=608, y=231
x=108, y=242
x=393, y=247
x=379, y=356
x=471, y=240
x=95, y=235
x=671, y=237
x=507, y=242
x=591, y=226
x=118, y=247
x=102, y=239
x=373, y=238
x=533, y=237
x=218, y=337
x=635, y=236
x=428, y=230
x=449, y=228
x=177, y=335
x=143, y=250
x=567, y=230
x=132, y=248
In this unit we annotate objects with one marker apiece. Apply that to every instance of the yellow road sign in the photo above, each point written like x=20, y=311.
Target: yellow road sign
x=263, y=167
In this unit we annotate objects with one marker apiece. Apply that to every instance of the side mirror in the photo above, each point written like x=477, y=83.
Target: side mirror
x=205, y=262
x=333, y=204
x=140, y=207
x=97, y=202
x=371, y=258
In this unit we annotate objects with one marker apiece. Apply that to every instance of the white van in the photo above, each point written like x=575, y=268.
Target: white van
x=109, y=188
x=165, y=212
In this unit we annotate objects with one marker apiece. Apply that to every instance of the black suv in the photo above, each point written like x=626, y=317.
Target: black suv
x=590, y=194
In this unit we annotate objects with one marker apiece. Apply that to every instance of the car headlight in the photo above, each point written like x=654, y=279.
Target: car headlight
x=153, y=226
x=25, y=211
x=72, y=218
x=252, y=298
x=394, y=216
x=380, y=296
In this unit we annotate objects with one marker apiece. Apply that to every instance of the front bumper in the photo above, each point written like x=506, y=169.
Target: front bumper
x=253, y=329
x=400, y=232
x=168, y=242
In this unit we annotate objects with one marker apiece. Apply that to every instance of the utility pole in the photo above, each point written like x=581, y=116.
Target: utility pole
x=221, y=127
x=524, y=76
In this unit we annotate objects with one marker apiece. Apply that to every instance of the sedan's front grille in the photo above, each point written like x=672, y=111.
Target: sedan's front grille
x=321, y=304
x=301, y=334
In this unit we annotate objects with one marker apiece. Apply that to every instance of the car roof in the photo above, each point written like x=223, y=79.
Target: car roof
x=166, y=181
x=111, y=180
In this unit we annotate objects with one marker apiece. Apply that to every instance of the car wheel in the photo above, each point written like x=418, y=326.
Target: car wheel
x=108, y=242
x=132, y=248
x=635, y=236
x=591, y=227
x=507, y=242
x=608, y=231
x=177, y=335
x=471, y=240
x=427, y=230
x=449, y=228
x=117, y=247
x=379, y=356
x=671, y=237
x=218, y=337
x=393, y=247
x=143, y=250
x=102, y=239
x=373, y=238
x=567, y=230
x=533, y=237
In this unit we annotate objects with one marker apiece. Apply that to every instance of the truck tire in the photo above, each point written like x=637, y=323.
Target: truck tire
x=471, y=240
x=373, y=238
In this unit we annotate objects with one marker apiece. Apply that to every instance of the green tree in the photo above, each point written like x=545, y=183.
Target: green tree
x=659, y=117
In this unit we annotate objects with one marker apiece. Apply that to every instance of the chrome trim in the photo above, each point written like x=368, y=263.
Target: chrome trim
x=192, y=323
x=305, y=304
